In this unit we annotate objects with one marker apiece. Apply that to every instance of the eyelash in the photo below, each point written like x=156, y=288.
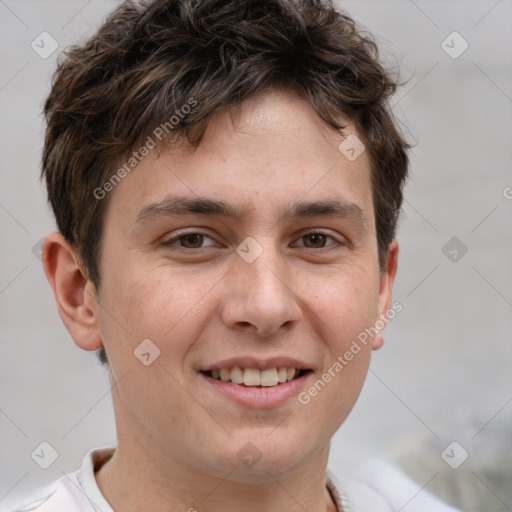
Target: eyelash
x=332, y=247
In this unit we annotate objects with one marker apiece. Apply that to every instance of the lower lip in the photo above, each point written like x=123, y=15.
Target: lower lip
x=258, y=398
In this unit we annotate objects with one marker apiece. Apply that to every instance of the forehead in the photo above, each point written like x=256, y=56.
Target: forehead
x=262, y=157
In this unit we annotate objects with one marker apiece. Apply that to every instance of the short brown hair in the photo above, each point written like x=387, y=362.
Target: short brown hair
x=150, y=58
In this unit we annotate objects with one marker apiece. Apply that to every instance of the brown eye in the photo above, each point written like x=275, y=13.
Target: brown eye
x=317, y=240
x=191, y=240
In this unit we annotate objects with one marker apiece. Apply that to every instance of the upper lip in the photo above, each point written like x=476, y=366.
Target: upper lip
x=260, y=364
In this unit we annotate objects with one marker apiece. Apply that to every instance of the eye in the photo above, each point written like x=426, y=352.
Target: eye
x=317, y=240
x=196, y=240
x=190, y=240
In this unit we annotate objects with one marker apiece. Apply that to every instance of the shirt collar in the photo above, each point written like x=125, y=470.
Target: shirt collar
x=96, y=457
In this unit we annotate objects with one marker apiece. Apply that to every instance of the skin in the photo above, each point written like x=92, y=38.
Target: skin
x=177, y=439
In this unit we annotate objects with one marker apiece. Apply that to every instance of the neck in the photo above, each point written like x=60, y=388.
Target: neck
x=137, y=479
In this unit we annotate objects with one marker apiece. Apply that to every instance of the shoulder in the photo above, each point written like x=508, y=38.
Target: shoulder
x=382, y=487
x=63, y=495
x=73, y=492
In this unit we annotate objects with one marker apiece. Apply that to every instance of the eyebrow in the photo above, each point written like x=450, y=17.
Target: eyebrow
x=182, y=205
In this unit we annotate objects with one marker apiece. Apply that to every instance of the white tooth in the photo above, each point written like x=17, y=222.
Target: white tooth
x=224, y=374
x=290, y=373
x=252, y=377
x=237, y=375
x=216, y=374
x=269, y=377
x=281, y=374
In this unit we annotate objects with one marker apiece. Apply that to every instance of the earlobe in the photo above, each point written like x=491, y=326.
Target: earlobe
x=73, y=292
x=387, y=278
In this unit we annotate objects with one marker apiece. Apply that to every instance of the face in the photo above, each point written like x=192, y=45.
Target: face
x=255, y=252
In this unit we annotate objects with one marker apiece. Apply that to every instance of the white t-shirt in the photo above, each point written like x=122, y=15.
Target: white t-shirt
x=380, y=487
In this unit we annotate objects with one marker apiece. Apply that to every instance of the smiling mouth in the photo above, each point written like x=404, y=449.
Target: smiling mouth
x=253, y=377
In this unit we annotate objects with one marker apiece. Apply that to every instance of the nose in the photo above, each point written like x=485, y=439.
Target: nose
x=259, y=296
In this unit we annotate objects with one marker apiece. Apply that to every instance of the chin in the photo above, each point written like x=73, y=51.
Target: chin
x=257, y=455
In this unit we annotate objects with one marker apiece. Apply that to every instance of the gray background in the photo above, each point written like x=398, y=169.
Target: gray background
x=444, y=372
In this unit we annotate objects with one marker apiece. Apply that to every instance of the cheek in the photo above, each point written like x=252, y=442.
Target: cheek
x=346, y=304
x=151, y=314
x=149, y=304
x=345, y=307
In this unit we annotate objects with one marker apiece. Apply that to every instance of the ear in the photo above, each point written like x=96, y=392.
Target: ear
x=74, y=293
x=387, y=278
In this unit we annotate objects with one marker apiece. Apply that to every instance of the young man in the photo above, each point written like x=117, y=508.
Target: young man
x=226, y=178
